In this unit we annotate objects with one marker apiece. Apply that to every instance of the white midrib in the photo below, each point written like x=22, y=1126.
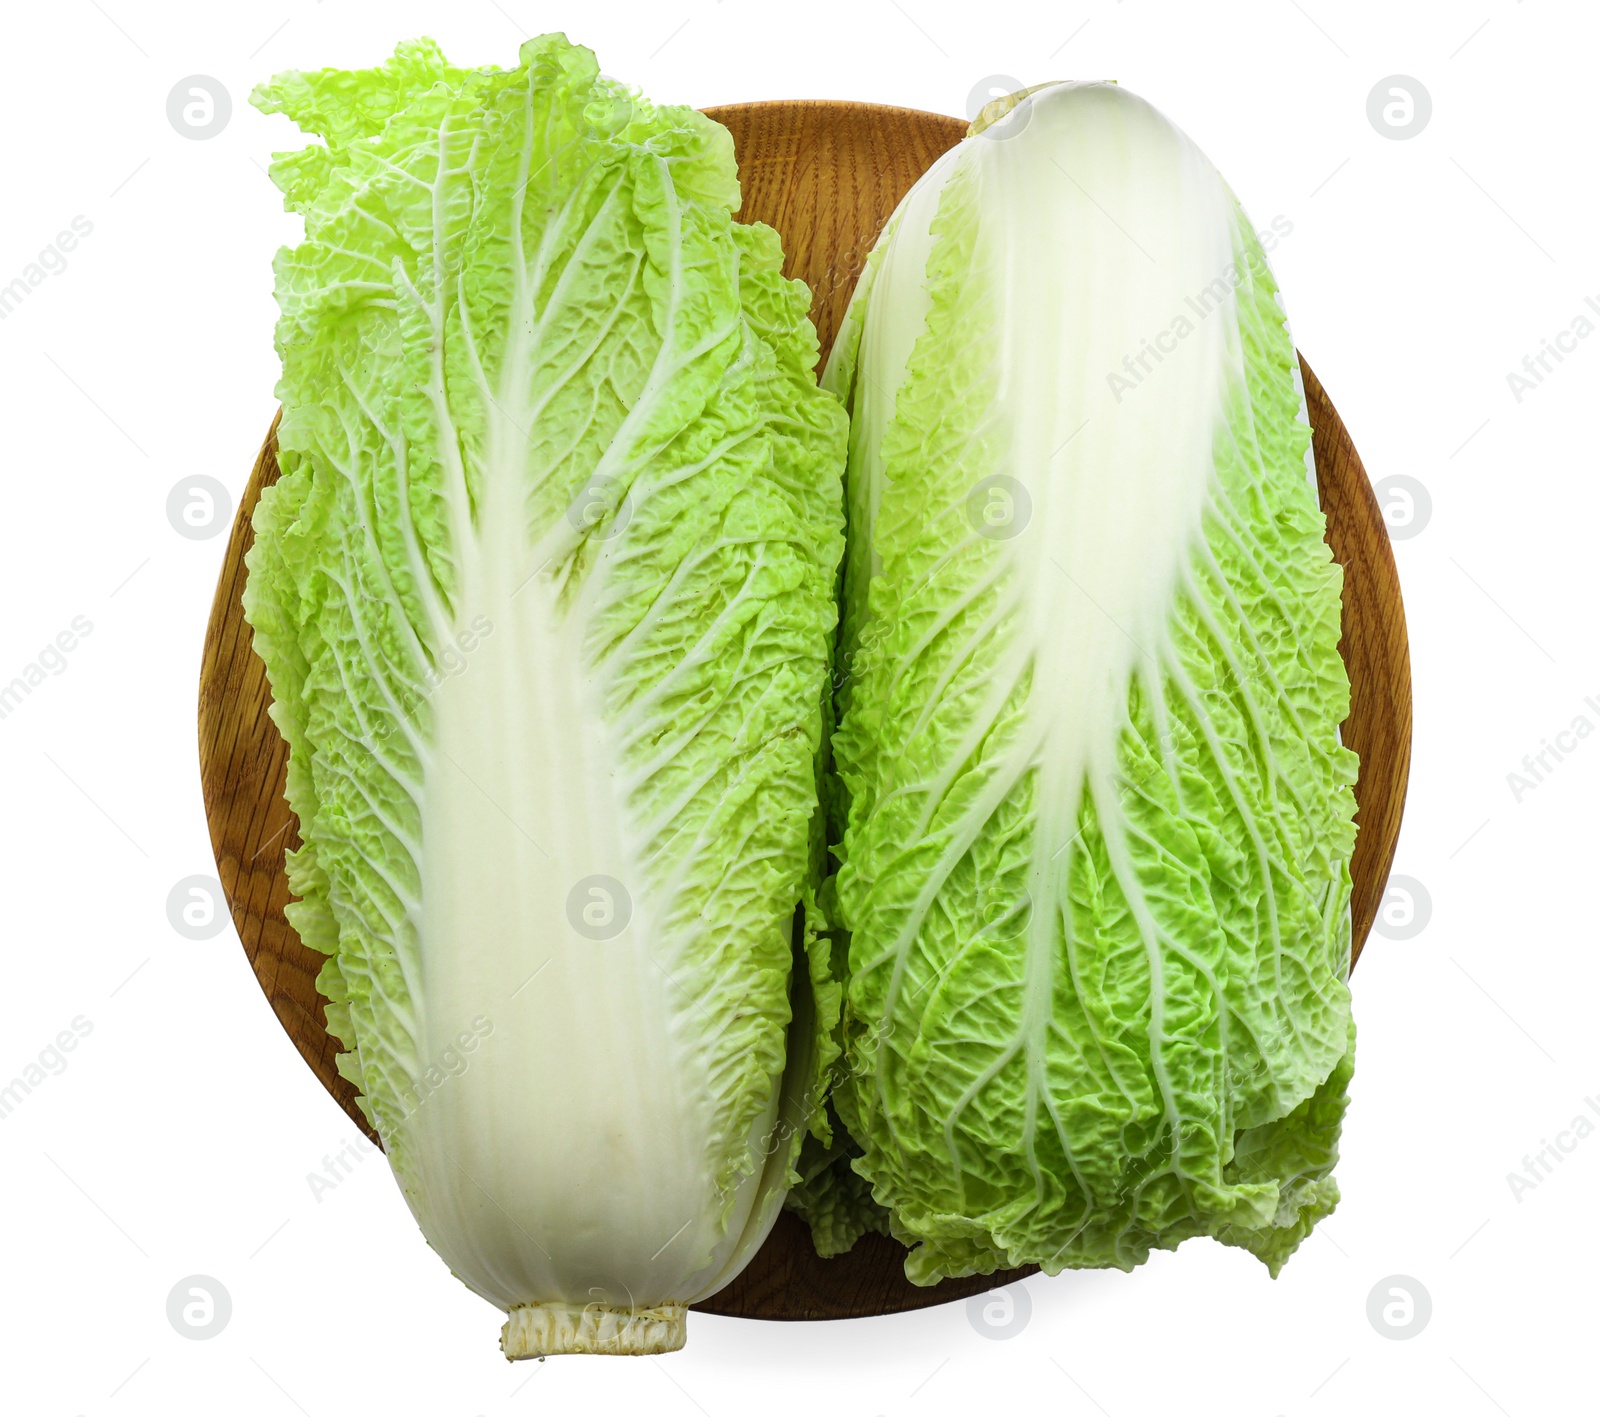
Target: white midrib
x=1122, y=483
x=1118, y=488
x=569, y=1161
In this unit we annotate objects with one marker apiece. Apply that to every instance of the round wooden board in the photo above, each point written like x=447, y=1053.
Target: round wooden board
x=827, y=175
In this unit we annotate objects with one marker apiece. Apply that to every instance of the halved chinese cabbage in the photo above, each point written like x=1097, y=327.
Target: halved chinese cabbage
x=1094, y=861
x=545, y=595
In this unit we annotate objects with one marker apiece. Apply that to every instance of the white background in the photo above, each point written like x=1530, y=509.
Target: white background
x=179, y=1138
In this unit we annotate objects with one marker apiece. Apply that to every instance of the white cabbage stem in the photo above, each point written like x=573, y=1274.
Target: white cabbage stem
x=539, y=1330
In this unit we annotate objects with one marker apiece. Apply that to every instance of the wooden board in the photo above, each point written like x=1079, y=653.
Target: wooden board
x=827, y=175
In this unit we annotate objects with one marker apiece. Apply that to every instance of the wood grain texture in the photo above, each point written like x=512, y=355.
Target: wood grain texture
x=243, y=767
x=1377, y=654
x=827, y=175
